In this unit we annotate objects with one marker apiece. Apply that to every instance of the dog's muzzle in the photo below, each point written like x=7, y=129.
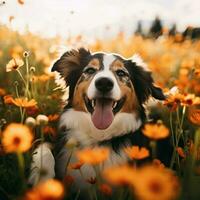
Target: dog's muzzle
x=103, y=107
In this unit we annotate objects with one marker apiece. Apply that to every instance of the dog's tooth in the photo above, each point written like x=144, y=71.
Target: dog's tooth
x=114, y=104
x=93, y=103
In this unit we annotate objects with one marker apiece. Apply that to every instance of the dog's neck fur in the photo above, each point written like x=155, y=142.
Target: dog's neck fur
x=80, y=127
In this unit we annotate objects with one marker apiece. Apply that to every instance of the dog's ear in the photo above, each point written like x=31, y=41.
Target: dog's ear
x=143, y=82
x=70, y=61
x=70, y=66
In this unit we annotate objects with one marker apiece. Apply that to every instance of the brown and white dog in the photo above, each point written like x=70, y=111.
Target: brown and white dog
x=106, y=101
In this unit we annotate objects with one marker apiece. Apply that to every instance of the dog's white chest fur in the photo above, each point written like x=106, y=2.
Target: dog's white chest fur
x=82, y=129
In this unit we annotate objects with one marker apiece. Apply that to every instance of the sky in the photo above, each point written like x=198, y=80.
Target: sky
x=96, y=17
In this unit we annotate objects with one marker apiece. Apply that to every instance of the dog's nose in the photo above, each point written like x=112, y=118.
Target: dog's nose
x=104, y=84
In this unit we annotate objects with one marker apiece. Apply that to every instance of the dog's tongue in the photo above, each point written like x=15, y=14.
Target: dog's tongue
x=102, y=116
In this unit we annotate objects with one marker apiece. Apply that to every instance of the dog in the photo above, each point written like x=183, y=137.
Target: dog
x=107, y=94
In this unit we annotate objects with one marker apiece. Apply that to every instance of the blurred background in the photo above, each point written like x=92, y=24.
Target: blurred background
x=33, y=34
x=96, y=18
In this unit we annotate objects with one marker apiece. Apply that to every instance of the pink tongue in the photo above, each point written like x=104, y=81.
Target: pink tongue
x=102, y=116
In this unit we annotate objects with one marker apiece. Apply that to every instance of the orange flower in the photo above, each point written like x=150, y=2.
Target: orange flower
x=11, y=18
x=8, y=99
x=158, y=163
x=194, y=116
x=42, y=78
x=180, y=151
x=190, y=99
x=1, y=52
x=120, y=175
x=17, y=138
x=14, y=64
x=173, y=100
x=135, y=152
x=176, y=99
x=93, y=156
x=155, y=183
x=48, y=190
x=2, y=92
x=76, y=165
x=155, y=131
x=16, y=51
x=197, y=73
x=23, y=102
x=53, y=118
x=105, y=189
x=49, y=130
x=21, y=2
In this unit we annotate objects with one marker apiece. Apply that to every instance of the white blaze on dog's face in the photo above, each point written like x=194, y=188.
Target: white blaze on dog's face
x=106, y=93
x=104, y=89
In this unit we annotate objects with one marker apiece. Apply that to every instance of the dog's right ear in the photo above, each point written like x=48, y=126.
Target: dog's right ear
x=71, y=61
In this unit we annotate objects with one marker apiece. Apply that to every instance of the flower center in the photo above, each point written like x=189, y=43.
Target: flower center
x=15, y=66
x=16, y=141
x=155, y=187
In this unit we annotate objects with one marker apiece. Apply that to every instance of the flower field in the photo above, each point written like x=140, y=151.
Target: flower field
x=31, y=101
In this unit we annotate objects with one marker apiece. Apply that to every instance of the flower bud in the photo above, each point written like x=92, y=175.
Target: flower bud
x=42, y=120
x=30, y=121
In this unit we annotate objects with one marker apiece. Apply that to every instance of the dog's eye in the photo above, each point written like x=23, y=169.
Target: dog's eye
x=121, y=73
x=90, y=70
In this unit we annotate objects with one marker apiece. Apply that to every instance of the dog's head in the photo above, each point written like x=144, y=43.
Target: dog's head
x=105, y=85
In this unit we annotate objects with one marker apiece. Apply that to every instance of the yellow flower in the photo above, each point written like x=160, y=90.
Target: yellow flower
x=48, y=190
x=23, y=102
x=16, y=138
x=155, y=183
x=120, y=175
x=14, y=64
x=135, y=152
x=155, y=131
x=93, y=156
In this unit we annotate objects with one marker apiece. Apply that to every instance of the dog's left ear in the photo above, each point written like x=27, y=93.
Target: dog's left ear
x=70, y=66
x=71, y=61
x=143, y=82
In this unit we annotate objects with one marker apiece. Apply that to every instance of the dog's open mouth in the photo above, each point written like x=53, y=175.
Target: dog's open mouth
x=103, y=110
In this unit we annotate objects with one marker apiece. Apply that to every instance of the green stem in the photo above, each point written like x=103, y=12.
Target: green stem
x=173, y=141
x=153, y=146
x=27, y=78
x=21, y=168
x=95, y=193
x=77, y=195
x=20, y=108
x=171, y=127
x=21, y=77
